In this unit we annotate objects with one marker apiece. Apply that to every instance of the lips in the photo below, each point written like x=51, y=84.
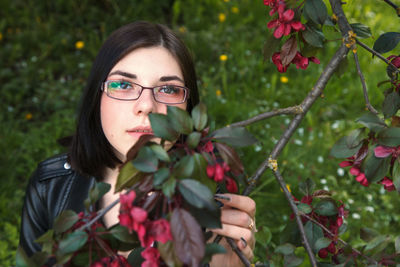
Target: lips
x=140, y=131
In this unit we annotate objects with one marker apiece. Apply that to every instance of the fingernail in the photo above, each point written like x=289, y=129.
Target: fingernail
x=218, y=196
x=244, y=243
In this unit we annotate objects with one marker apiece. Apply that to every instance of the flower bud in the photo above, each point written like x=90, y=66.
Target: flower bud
x=219, y=173
x=210, y=171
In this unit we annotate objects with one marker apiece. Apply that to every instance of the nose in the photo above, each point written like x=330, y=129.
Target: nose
x=145, y=104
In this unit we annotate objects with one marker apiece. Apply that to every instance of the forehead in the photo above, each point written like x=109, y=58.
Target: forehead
x=149, y=63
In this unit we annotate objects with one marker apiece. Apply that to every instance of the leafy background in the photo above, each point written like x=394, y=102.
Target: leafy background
x=43, y=71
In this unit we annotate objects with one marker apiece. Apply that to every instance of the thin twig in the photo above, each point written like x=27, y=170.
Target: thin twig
x=372, y=51
x=232, y=243
x=99, y=215
x=361, y=75
x=340, y=240
x=269, y=114
x=394, y=6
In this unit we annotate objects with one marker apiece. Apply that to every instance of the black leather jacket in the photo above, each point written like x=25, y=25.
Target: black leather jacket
x=53, y=187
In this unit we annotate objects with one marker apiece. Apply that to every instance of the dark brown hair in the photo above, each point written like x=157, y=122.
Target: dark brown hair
x=90, y=151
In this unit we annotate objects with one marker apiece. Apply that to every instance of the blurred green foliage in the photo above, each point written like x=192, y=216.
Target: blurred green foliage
x=43, y=71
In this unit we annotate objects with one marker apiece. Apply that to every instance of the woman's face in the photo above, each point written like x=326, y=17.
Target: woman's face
x=123, y=122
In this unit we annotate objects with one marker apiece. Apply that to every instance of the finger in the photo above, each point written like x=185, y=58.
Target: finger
x=234, y=232
x=236, y=217
x=239, y=202
x=246, y=250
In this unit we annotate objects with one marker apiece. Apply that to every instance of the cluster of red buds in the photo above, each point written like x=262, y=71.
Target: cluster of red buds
x=218, y=171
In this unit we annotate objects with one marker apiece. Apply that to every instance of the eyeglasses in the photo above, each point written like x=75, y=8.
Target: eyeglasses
x=167, y=94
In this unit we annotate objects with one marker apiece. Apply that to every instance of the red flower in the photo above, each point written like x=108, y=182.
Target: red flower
x=114, y=261
x=323, y=253
x=307, y=200
x=126, y=200
x=276, y=59
x=208, y=147
x=362, y=179
x=210, y=171
x=270, y=2
x=395, y=60
x=219, y=173
x=284, y=23
x=302, y=62
x=231, y=185
x=331, y=248
x=387, y=184
x=385, y=151
x=151, y=256
x=158, y=230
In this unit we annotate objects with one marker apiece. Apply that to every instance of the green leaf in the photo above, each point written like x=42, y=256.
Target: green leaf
x=326, y=208
x=234, y=136
x=391, y=104
x=160, y=152
x=168, y=254
x=355, y=138
x=135, y=257
x=396, y=174
x=146, y=160
x=263, y=236
x=341, y=150
x=199, y=172
x=361, y=30
x=209, y=219
x=305, y=208
x=98, y=190
x=292, y=261
x=271, y=45
x=196, y=194
x=168, y=187
x=122, y=234
x=199, y=115
x=72, y=242
x=162, y=127
x=375, y=168
x=230, y=156
x=160, y=176
x=372, y=122
x=386, y=42
x=313, y=36
x=22, y=260
x=180, y=120
x=377, y=244
x=367, y=234
x=193, y=139
x=184, y=168
x=211, y=250
x=307, y=187
x=285, y=249
x=389, y=137
x=313, y=233
x=65, y=221
x=323, y=242
x=128, y=176
x=316, y=10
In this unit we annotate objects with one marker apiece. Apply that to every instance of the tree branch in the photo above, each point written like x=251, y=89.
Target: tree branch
x=394, y=6
x=340, y=240
x=99, y=215
x=269, y=114
x=360, y=74
x=376, y=54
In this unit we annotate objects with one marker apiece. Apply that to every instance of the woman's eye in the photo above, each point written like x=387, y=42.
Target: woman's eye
x=120, y=85
x=169, y=89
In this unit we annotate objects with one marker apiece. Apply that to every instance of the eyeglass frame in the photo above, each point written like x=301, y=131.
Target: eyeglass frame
x=185, y=98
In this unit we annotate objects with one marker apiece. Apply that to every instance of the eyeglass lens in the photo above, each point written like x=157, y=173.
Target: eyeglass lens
x=130, y=91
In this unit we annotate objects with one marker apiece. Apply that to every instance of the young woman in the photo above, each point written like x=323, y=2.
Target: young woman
x=150, y=60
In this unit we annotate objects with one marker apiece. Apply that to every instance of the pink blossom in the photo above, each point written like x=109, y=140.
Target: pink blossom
x=284, y=23
x=158, y=230
x=219, y=173
x=231, y=185
x=151, y=256
x=395, y=60
x=210, y=171
x=383, y=151
x=276, y=59
x=362, y=179
x=387, y=184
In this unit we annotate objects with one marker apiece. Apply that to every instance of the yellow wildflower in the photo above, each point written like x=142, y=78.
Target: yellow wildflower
x=28, y=116
x=1, y=36
x=218, y=92
x=182, y=29
x=235, y=9
x=79, y=45
x=221, y=17
x=288, y=188
x=284, y=79
x=223, y=57
x=226, y=1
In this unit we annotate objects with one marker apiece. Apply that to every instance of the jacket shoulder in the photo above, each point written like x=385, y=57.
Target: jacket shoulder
x=53, y=167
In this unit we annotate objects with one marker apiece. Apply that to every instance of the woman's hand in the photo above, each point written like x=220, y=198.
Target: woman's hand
x=237, y=217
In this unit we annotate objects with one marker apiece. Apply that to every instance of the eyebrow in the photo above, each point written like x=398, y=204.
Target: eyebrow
x=133, y=76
